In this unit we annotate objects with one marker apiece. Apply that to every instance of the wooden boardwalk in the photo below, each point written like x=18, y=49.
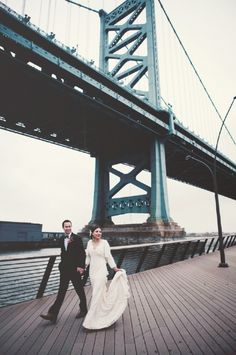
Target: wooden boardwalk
x=185, y=308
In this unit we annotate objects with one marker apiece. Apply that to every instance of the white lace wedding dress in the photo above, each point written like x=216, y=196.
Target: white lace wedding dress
x=107, y=304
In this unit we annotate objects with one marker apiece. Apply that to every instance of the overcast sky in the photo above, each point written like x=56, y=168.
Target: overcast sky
x=45, y=183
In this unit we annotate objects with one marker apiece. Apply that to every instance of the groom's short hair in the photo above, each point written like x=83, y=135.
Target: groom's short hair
x=66, y=221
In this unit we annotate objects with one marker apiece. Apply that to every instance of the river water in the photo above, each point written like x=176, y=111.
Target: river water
x=28, y=253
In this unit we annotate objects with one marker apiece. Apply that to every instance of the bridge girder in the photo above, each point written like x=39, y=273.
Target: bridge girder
x=53, y=109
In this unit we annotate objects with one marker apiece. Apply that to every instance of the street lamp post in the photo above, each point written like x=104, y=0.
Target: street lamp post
x=220, y=234
x=215, y=185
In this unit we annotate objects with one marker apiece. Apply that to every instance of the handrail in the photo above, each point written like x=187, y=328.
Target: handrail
x=40, y=275
x=120, y=247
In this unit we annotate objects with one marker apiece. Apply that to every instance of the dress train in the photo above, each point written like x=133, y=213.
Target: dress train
x=107, y=304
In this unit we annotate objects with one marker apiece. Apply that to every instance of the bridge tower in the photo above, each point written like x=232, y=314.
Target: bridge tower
x=128, y=53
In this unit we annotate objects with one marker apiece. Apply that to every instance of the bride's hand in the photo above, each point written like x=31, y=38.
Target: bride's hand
x=116, y=269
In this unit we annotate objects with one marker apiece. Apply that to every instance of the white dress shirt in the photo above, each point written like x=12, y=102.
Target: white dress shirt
x=66, y=240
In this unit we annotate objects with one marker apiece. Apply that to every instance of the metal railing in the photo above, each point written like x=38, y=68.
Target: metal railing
x=33, y=277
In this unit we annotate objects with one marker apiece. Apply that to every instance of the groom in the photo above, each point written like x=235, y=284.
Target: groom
x=71, y=268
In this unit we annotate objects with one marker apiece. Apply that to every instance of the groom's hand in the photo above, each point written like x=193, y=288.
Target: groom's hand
x=80, y=270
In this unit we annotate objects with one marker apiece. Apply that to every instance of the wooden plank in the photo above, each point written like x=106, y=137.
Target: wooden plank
x=109, y=344
x=34, y=332
x=208, y=279
x=129, y=342
x=67, y=322
x=77, y=327
x=79, y=342
x=99, y=342
x=17, y=325
x=222, y=298
x=137, y=331
x=200, y=334
x=185, y=342
x=10, y=312
x=187, y=307
x=208, y=320
x=18, y=333
x=142, y=308
x=8, y=326
x=88, y=343
x=80, y=338
x=165, y=310
x=179, y=315
x=56, y=329
x=44, y=329
x=155, y=320
x=119, y=337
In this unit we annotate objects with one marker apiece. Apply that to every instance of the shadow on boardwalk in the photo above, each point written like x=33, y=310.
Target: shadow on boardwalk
x=185, y=308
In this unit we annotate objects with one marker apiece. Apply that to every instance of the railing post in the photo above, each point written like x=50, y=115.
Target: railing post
x=185, y=250
x=195, y=248
x=234, y=240
x=121, y=258
x=209, y=248
x=142, y=258
x=203, y=247
x=174, y=252
x=226, y=242
x=160, y=255
x=229, y=242
x=214, y=248
x=46, y=276
x=119, y=263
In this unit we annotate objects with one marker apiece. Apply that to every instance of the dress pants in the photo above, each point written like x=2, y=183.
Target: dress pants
x=65, y=276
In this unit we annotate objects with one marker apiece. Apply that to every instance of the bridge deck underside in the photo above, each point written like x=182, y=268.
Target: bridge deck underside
x=81, y=121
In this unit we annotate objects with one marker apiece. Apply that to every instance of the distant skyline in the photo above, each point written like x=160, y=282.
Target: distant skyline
x=45, y=183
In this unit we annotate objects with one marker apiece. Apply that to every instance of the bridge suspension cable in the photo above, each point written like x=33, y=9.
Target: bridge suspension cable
x=80, y=5
x=49, y=12
x=40, y=13
x=54, y=15
x=23, y=7
x=195, y=70
x=68, y=25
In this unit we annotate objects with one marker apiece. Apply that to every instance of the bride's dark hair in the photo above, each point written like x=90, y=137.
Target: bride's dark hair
x=93, y=228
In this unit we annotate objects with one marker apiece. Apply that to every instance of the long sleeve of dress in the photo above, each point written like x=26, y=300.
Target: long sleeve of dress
x=87, y=258
x=109, y=258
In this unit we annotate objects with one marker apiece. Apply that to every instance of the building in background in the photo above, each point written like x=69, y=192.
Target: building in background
x=20, y=234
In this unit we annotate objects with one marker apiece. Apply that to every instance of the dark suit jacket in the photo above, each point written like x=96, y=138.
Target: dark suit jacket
x=74, y=256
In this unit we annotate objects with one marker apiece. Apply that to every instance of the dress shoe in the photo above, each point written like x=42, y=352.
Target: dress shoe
x=81, y=314
x=50, y=317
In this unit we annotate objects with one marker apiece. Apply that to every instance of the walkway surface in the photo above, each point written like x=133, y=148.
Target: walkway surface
x=185, y=308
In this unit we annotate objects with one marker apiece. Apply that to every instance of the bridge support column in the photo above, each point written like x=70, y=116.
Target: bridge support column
x=101, y=190
x=159, y=209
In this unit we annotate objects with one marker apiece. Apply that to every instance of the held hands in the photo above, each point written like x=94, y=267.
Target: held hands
x=80, y=270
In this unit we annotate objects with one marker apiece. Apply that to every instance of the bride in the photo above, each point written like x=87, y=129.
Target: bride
x=107, y=304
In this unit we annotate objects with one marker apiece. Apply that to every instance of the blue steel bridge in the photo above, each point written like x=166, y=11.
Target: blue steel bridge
x=48, y=92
